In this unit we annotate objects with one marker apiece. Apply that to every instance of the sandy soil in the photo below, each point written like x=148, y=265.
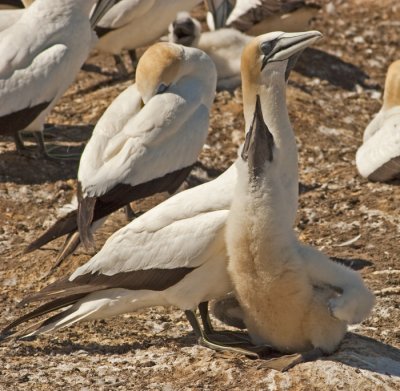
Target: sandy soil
x=331, y=101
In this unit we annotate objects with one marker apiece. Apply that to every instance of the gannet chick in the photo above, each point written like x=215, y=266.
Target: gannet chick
x=378, y=158
x=293, y=297
x=255, y=17
x=131, y=24
x=146, y=142
x=36, y=69
x=224, y=46
x=173, y=254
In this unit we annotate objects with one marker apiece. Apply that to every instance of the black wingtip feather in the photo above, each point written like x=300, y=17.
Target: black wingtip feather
x=61, y=227
x=42, y=310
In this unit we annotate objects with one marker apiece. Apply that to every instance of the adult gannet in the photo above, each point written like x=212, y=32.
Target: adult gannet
x=146, y=142
x=293, y=297
x=261, y=16
x=131, y=24
x=378, y=158
x=36, y=69
x=224, y=46
x=173, y=254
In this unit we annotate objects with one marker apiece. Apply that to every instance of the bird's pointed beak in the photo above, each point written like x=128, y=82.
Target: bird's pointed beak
x=288, y=45
x=102, y=6
x=259, y=143
x=218, y=13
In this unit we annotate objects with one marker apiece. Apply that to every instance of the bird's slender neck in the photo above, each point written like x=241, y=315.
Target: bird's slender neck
x=272, y=91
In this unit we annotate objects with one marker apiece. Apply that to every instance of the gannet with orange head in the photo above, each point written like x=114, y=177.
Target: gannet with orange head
x=293, y=297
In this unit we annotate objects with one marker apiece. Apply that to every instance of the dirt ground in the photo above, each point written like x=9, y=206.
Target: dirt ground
x=331, y=100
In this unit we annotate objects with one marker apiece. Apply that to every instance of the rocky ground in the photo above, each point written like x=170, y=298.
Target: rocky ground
x=330, y=100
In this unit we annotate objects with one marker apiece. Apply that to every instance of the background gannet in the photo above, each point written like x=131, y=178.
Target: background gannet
x=36, y=68
x=261, y=16
x=378, y=158
x=147, y=141
x=293, y=296
x=131, y=24
x=224, y=46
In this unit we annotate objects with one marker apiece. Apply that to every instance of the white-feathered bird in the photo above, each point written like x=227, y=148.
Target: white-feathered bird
x=131, y=24
x=41, y=53
x=293, y=297
x=378, y=158
x=146, y=142
x=257, y=17
x=175, y=253
x=224, y=46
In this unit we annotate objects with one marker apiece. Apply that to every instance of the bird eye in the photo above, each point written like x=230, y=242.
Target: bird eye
x=161, y=88
x=267, y=46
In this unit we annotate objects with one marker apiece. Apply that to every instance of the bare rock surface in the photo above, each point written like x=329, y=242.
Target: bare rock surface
x=331, y=99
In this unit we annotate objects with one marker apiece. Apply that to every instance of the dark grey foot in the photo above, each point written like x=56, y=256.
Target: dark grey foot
x=133, y=58
x=40, y=151
x=218, y=342
x=230, y=337
x=22, y=149
x=119, y=63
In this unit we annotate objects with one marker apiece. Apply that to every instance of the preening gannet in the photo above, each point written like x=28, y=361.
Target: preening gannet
x=293, y=297
x=147, y=141
x=257, y=17
x=41, y=53
x=224, y=46
x=131, y=24
x=378, y=158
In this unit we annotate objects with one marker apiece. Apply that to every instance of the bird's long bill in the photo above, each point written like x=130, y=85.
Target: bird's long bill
x=259, y=142
x=289, y=44
x=102, y=6
x=220, y=10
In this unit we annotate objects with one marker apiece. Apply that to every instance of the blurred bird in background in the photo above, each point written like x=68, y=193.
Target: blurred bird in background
x=36, y=69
